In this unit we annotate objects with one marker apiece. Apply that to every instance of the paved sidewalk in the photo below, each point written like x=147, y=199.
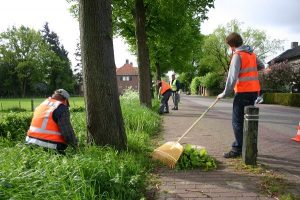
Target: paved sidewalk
x=213, y=132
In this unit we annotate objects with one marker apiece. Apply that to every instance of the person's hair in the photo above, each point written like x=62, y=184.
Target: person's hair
x=58, y=97
x=234, y=39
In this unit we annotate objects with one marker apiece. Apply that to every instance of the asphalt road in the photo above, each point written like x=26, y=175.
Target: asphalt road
x=277, y=125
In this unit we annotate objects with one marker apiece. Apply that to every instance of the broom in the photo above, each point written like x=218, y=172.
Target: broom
x=170, y=152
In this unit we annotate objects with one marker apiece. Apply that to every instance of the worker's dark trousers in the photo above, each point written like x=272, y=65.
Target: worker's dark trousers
x=164, y=106
x=240, y=101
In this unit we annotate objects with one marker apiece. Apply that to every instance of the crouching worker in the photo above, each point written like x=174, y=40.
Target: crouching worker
x=50, y=126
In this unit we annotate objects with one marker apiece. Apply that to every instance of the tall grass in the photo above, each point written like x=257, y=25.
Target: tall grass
x=90, y=172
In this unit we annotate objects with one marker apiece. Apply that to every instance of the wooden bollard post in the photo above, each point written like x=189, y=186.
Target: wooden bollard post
x=249, y=150
x=32, y=105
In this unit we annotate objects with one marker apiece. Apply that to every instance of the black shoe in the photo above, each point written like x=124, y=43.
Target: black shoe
x=232, y=154
x=174, y=108
x=166, y=112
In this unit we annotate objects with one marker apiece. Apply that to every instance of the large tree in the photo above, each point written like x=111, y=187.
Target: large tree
x=60, y=72
x=169, y=29
x=104, y=118
x=143, y=54
x=216, y=53
x=23, y=54
x=172, y=27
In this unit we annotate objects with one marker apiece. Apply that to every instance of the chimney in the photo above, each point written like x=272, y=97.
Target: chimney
x=294, y=44
x=127, y=61
x=131, y=63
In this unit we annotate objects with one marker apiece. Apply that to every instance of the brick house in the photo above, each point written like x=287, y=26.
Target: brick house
x=290, y=56
x=127, y=76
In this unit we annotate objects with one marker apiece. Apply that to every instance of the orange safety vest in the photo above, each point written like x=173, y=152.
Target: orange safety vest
x=248, y=76
x=43, y=126
x=164, y=87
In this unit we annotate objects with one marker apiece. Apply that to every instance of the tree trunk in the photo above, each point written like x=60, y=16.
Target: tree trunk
x=158, y=75
x=143, y=54
x=104, y=117
x=158, y=71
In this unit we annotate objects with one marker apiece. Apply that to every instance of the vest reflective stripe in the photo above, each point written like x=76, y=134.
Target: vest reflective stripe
x=53, y=106
x=41, y=130
x=42, y=125
x=40, y=143
x=173, y=85
x=249, y=69
x=248, y=77
x=164, y=87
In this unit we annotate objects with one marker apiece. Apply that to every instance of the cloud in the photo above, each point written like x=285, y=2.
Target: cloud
x=275, y=13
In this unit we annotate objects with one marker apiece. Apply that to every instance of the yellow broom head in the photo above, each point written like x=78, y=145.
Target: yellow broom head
x=168, y=153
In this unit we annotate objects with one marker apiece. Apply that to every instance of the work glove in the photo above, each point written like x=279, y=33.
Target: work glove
x=220, y=96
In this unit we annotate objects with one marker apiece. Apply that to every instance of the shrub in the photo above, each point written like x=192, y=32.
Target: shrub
x=281, y=77
x=212, y=80
x=196, y=82
x=77, y=109
x=287, y=99
x=15, y=109
x=14, y=126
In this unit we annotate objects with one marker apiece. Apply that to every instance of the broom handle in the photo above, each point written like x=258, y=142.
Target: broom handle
x=187, y=131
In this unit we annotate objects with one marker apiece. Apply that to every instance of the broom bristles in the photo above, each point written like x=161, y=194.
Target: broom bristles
x=168, y=153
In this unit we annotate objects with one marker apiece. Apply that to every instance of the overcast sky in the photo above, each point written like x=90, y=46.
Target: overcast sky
x=278, y=18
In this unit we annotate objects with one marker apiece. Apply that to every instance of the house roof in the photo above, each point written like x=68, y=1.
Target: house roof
x=287, y=55
x=127, y=69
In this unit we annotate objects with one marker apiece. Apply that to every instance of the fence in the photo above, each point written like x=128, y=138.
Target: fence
x=30, y=104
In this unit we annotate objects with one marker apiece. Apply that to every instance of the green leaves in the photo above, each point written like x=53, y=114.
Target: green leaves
x=216, y=52
x=27, y=60
x=193, y=158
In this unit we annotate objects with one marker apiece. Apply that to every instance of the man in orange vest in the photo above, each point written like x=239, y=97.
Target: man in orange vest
x=166, y=91
x=243, y=78
x=50, y=126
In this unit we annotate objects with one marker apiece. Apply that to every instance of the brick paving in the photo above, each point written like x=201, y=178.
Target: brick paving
x=213, y=132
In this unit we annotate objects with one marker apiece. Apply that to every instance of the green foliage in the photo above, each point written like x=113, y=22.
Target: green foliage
x=216, y=52
x=196, y=82
x=14, y=126
x=90, y=172
x=60, y=73
x=21, y=49
x=15, y=109
x=212, y=80
x=185, y=79
x=287, y=99
x=28, y=64
x=93, y=173
x=281, y=77
x=138, y=118
x=193, y=158
x=77, y=109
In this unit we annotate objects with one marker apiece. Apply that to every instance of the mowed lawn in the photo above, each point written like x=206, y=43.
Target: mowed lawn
x=25, y=103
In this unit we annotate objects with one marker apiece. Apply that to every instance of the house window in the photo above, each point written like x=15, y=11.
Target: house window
x=126, y=78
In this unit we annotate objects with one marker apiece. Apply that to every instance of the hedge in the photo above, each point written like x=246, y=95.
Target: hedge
x=287, y=99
